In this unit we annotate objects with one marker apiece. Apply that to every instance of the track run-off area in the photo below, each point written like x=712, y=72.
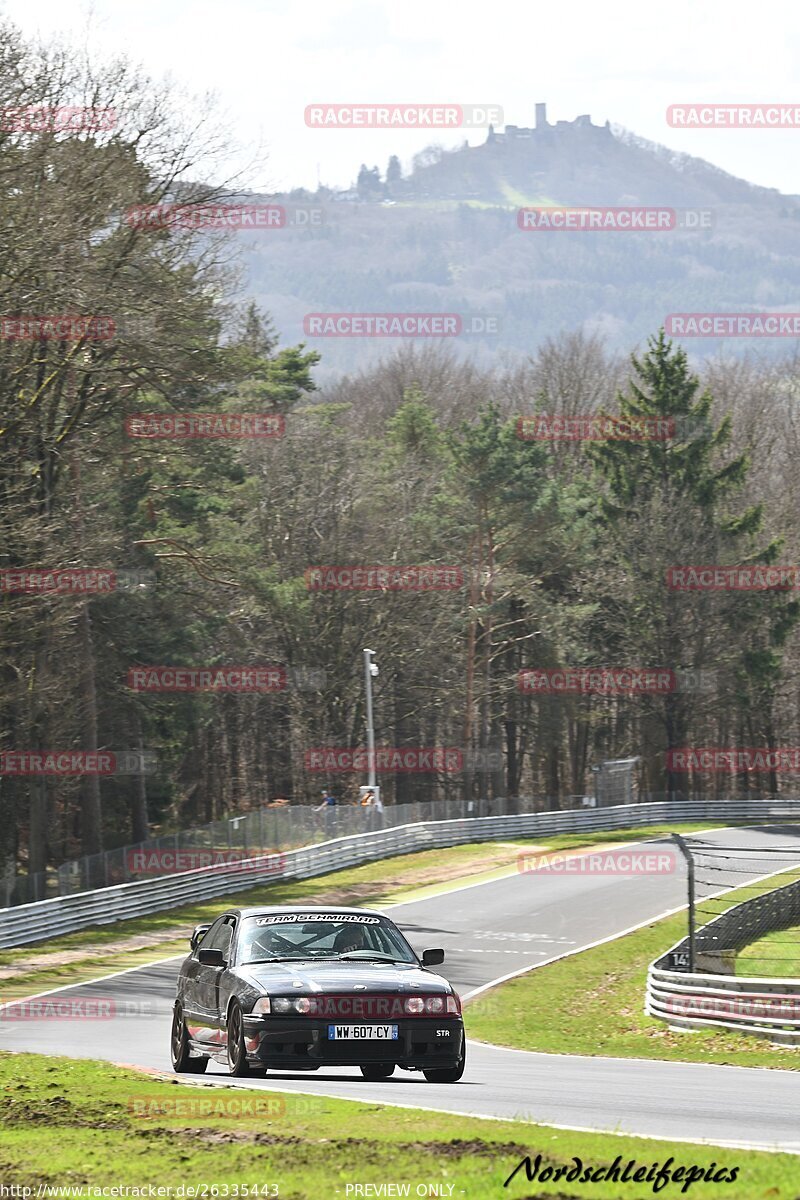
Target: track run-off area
x=490, y=931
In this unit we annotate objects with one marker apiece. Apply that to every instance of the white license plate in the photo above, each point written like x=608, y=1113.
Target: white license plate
x=362, y=1033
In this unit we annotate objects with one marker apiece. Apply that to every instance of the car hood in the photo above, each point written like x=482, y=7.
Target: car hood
x=311, y=977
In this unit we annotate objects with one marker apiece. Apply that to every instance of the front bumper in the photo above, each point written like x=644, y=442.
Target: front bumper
x=296, y=1042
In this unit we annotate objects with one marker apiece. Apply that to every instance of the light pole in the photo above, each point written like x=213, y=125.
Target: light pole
x=370, y=671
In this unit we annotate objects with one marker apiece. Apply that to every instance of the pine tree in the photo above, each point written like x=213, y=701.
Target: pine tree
x=665, y=503
x=394, y=174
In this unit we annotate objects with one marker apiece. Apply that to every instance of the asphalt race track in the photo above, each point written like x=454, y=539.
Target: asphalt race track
x=488, y=931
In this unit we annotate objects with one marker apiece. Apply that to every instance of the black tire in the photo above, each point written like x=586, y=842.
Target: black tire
x=448, y=1074
x=237, y=1051
x=377, y=1070
x=182, y=1060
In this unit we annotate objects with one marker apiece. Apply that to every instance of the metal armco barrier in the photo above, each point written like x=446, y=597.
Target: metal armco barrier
x=766, y=1007
x=697, y=1000
x=44, y=919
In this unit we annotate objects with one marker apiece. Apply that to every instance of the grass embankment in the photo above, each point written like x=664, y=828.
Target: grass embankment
x=103, y=949
x=77, y=1124
x=593, y=1003
x=776, y=954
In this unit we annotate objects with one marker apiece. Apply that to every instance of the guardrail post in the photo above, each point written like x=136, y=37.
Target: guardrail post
x=687, y=854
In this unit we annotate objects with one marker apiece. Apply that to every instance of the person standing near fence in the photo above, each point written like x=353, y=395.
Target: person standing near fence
x=371, y=801
x=328, y=806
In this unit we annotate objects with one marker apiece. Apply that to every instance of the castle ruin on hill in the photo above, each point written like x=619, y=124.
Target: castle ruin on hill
x=542, y=128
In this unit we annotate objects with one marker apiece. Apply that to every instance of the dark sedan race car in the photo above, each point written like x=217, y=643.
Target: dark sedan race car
x=296, y=989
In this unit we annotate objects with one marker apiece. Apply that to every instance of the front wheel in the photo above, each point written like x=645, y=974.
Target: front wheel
x=448, y=1074
x=377, y=1070
x=182, y=1060
x=237, y=1051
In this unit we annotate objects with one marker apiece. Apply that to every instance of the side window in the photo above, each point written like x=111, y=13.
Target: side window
x=208, y=940
x=219, y=938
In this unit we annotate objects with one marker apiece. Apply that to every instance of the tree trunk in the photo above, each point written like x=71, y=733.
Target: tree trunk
x=91, y=803
x=140, y=824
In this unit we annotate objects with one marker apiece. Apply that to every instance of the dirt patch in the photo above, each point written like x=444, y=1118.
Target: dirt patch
x=61, y=958
x=456, y=1148
x=462, y=1147
x=57, y=1111
x=235, y=1137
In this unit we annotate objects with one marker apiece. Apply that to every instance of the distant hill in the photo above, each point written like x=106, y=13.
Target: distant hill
x=445, y=239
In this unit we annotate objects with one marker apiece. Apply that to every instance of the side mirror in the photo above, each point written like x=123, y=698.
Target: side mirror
x=432, y=958
x=211, y=958
x=198, y=934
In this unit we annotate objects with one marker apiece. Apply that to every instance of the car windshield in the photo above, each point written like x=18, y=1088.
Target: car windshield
x=300, y=935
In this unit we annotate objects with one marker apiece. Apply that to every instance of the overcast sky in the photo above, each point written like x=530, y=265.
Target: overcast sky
x=623, y=60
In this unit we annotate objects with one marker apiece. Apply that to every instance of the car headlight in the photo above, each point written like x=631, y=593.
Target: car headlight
x=414, y=1004
x=295, y=1004
x=261, y=1007
x=434, y=1004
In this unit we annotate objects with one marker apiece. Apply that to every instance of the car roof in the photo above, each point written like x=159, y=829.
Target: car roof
x=266, y=909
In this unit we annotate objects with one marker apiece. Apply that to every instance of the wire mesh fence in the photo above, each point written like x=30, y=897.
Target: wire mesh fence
x=265, y=831
x=615, y=782
x=743, y=895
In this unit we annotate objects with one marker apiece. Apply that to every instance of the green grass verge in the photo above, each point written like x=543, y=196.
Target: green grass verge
x=593, y=1003
x=78, y=1124
x=386, y=881
x=776, y=954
